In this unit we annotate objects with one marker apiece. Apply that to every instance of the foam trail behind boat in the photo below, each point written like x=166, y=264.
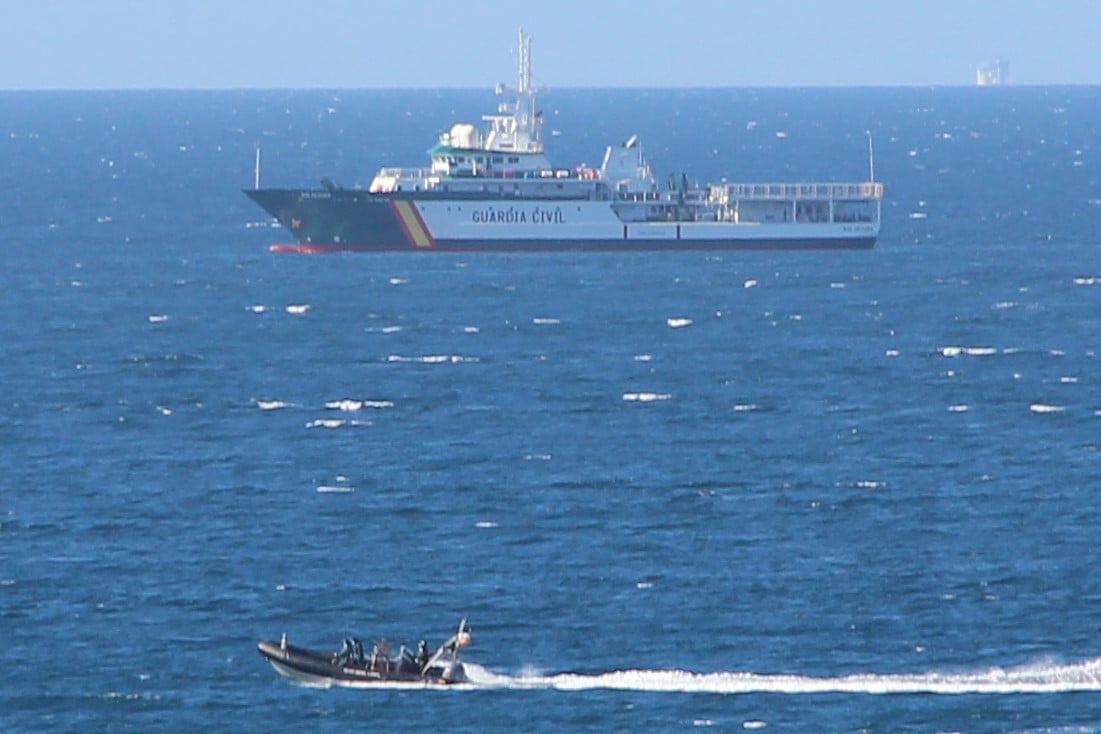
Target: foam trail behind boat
x=1045, y=677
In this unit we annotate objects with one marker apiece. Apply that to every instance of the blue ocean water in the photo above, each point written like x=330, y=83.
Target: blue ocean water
x=845, y=492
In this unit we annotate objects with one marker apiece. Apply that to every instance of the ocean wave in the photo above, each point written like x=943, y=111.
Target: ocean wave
x=335, y=423
x=433, y=358
x=273, y=404
x=956, y=351
x=349, y=405
x=646, y=397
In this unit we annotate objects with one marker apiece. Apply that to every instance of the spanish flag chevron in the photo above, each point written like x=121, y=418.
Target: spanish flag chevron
x=416, y=233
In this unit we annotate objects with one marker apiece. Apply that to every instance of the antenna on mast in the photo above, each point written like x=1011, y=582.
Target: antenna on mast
x=256, y=169
x=871, y=158
x=525, y=63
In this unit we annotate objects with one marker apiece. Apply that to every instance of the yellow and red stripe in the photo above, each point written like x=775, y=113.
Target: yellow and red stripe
x=416, y=232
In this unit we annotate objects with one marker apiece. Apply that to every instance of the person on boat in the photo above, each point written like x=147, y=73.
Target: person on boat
x=422, y=654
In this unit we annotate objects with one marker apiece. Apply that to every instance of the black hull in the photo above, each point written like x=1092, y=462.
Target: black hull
x=350, y=220
x=309, y=667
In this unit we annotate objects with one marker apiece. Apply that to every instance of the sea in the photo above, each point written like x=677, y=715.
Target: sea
x=701, y=491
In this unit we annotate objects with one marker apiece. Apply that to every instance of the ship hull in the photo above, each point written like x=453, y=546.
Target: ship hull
x=349, y=220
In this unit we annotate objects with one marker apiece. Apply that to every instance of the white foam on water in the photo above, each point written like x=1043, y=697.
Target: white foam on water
x=433, y=358
x=485, y=524
x=273, y=404
x=335, y=423
x=298, y=308
x=335, y=489
x=891, y=353
x=918, y=215
x=643, y=357
x=349, y=405
x=471, y=329
x=961, y=408
x=1039, y=678
x=537, y=457
x=749, y=283
x=398, y=281
x=1045, y=408
x=678, y=323
x=837, y=285
x=345, y=405
x=543, y=321
x=1005, y=304
x=956, y=351
x=754, y=724
x=1087, y=281
x=164, y=410
x=390, y=329
x=157, y=318
x=1068, y=380
x=744, y=407
x=257, y=308
x=645, y=397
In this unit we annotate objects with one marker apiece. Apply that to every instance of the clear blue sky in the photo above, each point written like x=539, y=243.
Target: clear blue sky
x=229, y=44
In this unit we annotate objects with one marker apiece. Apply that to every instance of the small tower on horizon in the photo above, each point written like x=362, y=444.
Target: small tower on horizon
x=992, y=74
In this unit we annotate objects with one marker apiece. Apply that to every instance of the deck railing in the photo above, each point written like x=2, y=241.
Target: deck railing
x=788, y=191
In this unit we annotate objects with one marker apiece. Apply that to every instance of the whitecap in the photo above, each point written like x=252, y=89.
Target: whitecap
x=163, y=410
x=677, y=323
x=918, y=215
x=744, y=407
x=157, y=318
x=485, y=524
x=545, y=321
x=749, y=283
x=959, y=408
x=891, y=352
x=345, y=405
x=1068, y=380
x=272, y=404
x=335, y=423
x=335, y=489
x=537, y=457
x=643, y=357
x=645, y=397
x=298, y=308
x=1087, y=281
x=398, y=281
x=754, y=724
x=1045, y=408
x=258, y=308
x=471, y=329
x=837, y=285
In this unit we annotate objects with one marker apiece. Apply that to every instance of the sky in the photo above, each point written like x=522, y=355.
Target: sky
x=350, y=44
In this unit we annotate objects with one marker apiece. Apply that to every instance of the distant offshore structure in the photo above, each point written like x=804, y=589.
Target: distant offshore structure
x=992, y=74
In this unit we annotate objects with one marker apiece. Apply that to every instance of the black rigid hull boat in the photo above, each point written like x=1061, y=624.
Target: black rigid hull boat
x=351, y=666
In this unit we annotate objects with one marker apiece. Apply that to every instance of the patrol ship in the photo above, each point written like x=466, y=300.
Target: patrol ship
x=496, y=190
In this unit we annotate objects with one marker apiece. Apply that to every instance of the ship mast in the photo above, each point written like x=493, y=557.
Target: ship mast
x=516, y=125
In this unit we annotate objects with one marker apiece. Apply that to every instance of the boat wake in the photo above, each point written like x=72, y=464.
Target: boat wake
x=1044, y=677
